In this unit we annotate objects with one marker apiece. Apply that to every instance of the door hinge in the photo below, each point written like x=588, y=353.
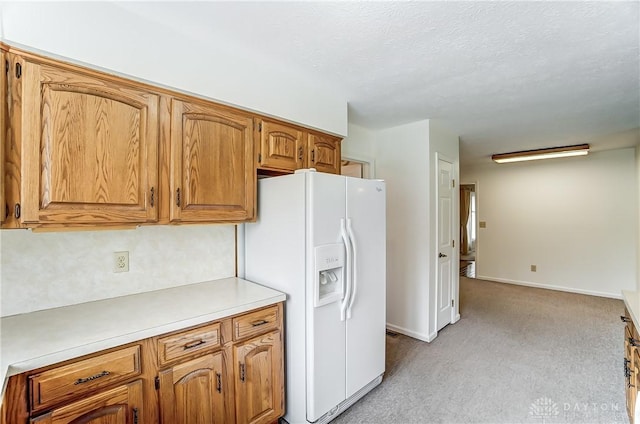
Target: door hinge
x=453, y=183
x=260, y=127
x=157, y=382
x=453, y=243
x=452, y=303
x=18, y=70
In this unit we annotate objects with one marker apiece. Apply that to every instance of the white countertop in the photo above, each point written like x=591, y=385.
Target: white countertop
x=43, y=338
x=632, y=302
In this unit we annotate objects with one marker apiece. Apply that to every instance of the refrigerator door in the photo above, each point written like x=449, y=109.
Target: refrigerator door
x=325, y=337
x=367, y=320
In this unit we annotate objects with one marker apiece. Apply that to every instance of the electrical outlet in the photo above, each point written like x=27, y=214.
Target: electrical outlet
x=121, y=261
x=534, y=268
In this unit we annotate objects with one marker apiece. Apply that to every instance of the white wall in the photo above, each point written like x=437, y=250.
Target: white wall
x=47, y=270
x=130, y=40
x=445, y=144
x=638, y=215
x=405, y=157
x=402, y=160
x=575, y=218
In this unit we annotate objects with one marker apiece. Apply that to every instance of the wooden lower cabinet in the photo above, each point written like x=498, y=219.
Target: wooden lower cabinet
x=216, y=372
x=194, y=392
x=258, y=380
x=121, y=405
x=631, y=364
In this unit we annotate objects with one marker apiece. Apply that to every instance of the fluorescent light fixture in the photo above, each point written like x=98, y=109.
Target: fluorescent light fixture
x=550, y=153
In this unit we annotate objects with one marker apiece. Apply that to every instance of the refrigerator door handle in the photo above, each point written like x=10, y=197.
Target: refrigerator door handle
x=353, y=266
x=346, y=270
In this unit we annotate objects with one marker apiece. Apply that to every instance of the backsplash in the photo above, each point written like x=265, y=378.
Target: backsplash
x=48, y=270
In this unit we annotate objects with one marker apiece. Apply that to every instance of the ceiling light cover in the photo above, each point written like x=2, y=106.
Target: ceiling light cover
x=550, y=153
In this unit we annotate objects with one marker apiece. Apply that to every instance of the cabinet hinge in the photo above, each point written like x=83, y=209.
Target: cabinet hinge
x=152, y=200
x=18, y=70
x=157, y=382
x=260, y=127
x=6, y=66
x=259, y=157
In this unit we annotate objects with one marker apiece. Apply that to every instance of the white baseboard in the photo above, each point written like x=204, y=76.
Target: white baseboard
x=550, y=287
x=414, y=334
x=456, y=319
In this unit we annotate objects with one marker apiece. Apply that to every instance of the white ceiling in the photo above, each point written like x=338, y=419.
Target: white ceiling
x=503, y=75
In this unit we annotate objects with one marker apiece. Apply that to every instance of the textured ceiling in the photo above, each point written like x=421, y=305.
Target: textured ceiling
x=503, y=75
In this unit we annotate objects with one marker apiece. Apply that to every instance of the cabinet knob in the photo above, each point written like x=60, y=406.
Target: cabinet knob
x=625, y=319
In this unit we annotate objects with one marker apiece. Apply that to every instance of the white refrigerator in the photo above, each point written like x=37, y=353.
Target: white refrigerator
x=321, y=239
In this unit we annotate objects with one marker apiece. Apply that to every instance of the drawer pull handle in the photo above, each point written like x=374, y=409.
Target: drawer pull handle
x=259, y=322
x=625, y=319
x=135, y=415
x=634, y=342
x=91, y=378
x=194, y=344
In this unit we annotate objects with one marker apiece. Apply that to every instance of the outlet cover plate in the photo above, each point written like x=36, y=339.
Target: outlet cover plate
x=121, y=261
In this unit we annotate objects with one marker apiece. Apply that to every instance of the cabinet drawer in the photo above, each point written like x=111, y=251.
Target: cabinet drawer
x=188, y=342
x=255, y=323
x=79, y=378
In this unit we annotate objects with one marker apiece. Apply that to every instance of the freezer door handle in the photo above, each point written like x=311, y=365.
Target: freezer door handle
x=353, y=267
x=347, y=271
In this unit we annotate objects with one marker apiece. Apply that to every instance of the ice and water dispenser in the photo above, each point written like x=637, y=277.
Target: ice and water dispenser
x=328, y=273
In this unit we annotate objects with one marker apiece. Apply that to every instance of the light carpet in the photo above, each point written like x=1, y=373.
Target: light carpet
x=518, y=355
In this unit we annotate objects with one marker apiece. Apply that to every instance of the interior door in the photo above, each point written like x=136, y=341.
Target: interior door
x=445, y=250
x=367, y=320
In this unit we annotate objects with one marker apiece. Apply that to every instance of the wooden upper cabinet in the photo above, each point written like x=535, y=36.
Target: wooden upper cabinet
x=4, y=82
x=89, y=149
x=281, y=147
x=324, y=153
x=213, y=173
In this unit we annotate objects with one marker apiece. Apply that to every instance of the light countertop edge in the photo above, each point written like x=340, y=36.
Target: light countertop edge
x=38, y=339
x=632, y=302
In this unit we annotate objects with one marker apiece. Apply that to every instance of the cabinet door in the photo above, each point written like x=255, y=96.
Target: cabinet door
x=324, y=153
x=194, y=392
x=259, y=379
x=213, y=174
x=4, y=82
x=281, y=147
x=90, y=149
x=122, y=405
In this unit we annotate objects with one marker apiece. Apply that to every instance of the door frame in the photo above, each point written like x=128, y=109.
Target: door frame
x=455, y=266
x=477, y=223
x=368, y=164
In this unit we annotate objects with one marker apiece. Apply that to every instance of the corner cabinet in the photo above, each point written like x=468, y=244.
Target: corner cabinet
x=89, y=148
x=213, y=175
